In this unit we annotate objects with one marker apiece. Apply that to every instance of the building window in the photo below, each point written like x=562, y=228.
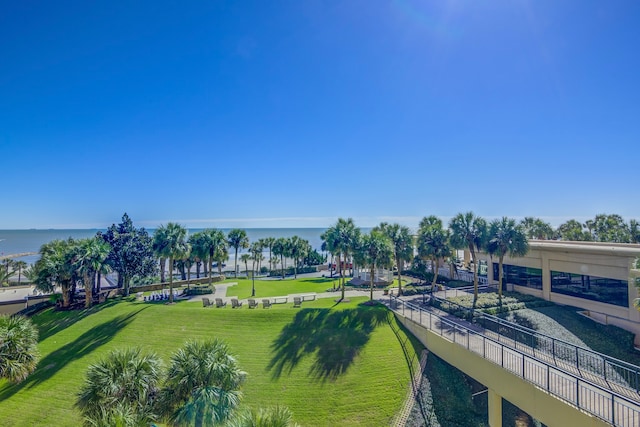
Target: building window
x=521, y=276
x=610, y=291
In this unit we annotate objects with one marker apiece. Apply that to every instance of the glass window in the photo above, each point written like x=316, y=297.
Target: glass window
x=610, y=291
x=521, y=276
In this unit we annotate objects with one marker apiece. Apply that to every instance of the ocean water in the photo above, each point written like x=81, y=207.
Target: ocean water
x=21, y=241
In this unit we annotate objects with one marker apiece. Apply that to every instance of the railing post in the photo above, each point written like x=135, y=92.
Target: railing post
x=613, y=410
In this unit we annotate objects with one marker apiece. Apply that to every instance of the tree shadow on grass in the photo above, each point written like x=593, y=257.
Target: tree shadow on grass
x=333, y=338
x=80, y=347
x=52, y=321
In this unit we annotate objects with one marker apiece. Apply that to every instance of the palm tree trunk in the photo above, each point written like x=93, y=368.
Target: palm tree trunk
x=210, y=278
x=475, y=274
x=235, y=265
x=399, y=274
x=341, y=276
x=162, y=263
x=198, y=269
x=435, y=274
x=88, y=287
x=282, y=264
x=373, y=268
x=170, y=279
x=188, y=278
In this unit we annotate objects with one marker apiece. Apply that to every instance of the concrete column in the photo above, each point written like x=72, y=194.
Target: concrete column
x=546, y=276
x=495, y=408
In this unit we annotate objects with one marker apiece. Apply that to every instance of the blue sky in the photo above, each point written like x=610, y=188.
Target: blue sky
x=294, y=113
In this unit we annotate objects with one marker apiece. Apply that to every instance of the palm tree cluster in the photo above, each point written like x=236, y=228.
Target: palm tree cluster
x=602, y=228
x=389, y=244
x=200, y=387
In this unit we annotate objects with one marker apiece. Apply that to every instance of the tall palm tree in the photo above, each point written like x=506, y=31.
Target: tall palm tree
x=245, y=258
x=20, y=266
x=237, y=239
x=19, y=353
x=298, y=249
x=176, y=247
x=402, y=241
x=469, y=232
x=375, y=249
x=121, y=385
x=343, y=237
x=268, y=243
x=433, y=244
x=160, y=248
x=281, y=249
x=256, y=254
x=202, y=387
x=90, y=256
x=506, y=238
x=56, y=268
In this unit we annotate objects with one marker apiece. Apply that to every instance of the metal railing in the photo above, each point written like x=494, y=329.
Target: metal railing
x=608, y=371
x=603, y=403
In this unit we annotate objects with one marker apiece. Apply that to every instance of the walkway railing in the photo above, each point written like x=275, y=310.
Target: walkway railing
x=615, y=374
x=586, y=395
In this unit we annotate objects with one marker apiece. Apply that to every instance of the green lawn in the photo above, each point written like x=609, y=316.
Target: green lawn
x=330, y=365
x=278, y=287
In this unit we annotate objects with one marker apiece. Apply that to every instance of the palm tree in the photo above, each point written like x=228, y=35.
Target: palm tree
x=90, y=256
x=237, y=239
x=121, y=386
x=281, y=248
x=506, y=238
x=342, y=239
x=160, y=248
x=278, y=416
x=469, y=232
x=175, y=247
x=20, y=266
x=298, y=249
x=268, y=242
x=535, y=228
x=245, y=258
x=402, y=241
x=202, y=387
x=19, y=353
x=433, y=244
x=375, y=249
x=256, y=255
x=56, y=268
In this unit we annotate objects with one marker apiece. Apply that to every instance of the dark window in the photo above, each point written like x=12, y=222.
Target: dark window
x=521, y=276
x=610, y=291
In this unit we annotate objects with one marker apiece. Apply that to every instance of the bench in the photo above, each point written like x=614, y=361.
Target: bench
x=280, y=300
x=308, y=297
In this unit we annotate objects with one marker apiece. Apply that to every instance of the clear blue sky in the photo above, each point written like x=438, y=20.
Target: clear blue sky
x=293, y=113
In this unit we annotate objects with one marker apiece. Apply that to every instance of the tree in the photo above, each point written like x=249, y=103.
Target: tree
x=342, y=239
x=535, y=228
x=433, y=244
x=20, y=266
x=608, y=228
x=160, y=249
x=237, y=239
x=298, y=249
x=90, y=256
x=506, y=238
x=202, y=387
x=19, y=353
x=573, y=230
x=469, y=232
x=176, y=247
x=268, y=242
x=634, y=231
x=121, y=387
x=402, y=241
x=278, y=416
x=375, y=249
x=131, y=252
x=281, y=249
x=245, y=258
x=256, y=255
x=199, y=250
x=56, y=268
x=213, y=244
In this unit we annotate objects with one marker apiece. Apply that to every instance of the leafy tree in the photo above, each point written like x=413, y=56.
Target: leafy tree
x=56, y=268
x=535, y=228
x=212, y=245
x=402, y=241
x=375, y=249
x=120, y=389
x=298, y=249
x=278, y=416
x=506, y=238
x=90, y=256
x=573, y=230
x=433, y=244
x=202, y=387
x=19, y=353
x=469, y=232
x=131, y=252
x=608, y=228
x=281, y=249
x=237, y=239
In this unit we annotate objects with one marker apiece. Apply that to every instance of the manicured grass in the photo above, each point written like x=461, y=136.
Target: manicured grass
x=273, y=288
x=339, y=365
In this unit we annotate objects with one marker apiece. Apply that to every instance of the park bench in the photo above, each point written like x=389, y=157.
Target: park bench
x=235, y=303
x=252, y=303
x=266, y=303
x=308, y=297
x=280, y=300
x=220, y=303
